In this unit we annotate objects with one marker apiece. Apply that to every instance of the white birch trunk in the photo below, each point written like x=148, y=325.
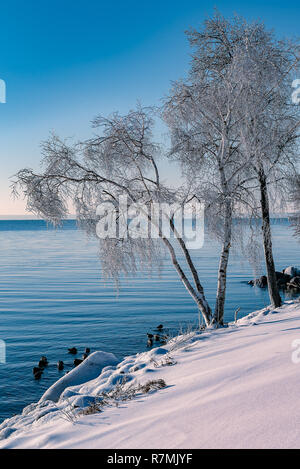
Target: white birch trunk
x=223, y=264
x=198, y=294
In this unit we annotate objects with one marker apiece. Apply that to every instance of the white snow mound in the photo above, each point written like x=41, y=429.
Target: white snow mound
x=89, y=369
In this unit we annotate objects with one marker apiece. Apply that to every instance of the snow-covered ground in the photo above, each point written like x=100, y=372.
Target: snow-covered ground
x=236, y=387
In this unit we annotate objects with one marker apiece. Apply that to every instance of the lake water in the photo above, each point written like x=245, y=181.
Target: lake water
x=52, y=297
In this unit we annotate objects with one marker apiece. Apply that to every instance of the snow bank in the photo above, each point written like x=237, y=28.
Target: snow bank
x=229, y=388
x=89, y=369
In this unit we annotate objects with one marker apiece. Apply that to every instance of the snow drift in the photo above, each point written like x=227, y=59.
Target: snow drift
x=89, y=369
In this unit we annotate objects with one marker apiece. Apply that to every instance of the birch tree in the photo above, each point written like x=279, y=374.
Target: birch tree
x=270, y=128
x=203, y=114
x=238, y=84
x=121, y=159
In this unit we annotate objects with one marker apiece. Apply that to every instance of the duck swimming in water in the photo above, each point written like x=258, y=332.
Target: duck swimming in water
x=43, y=362
x=77, y=361
x=149, y=342
x=38, y=374
x=72, y=350
x=60, y=365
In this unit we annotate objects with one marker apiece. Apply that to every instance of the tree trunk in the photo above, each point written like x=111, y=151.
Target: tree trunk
x=197, y=295
x=267, y=241
x=223, y=264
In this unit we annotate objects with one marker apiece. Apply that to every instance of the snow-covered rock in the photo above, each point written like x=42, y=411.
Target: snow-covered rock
x=294, y=283
x=292, y=271
x=89, y=369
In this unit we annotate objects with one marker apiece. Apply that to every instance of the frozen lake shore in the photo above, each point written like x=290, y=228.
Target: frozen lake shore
x=235, y=387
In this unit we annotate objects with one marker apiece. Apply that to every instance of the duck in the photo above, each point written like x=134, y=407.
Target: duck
x=37, y=369
x=77, y=361
x=84, y=356
x=72, y=350
x=60, y=365
x=149, y=342
x=160, y=327
x=87, y=350
x=38, y=374
x=157, y=337
x=150, y=336
x=43, y=362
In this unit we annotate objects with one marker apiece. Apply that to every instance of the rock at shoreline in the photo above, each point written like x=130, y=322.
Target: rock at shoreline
x=260, y=282
x=294, y=284
x=292, y=271
x=287, y=279
x=282, y=279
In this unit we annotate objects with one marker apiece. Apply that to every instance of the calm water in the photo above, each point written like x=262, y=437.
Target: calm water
x=52, y=297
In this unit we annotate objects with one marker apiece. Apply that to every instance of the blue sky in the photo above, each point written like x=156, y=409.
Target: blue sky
x=66, y=61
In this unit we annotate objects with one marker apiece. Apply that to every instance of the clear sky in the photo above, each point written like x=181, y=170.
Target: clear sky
x=66, y=61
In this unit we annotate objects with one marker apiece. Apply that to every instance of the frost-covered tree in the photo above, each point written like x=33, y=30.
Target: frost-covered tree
x=203, y=114
x=235, y=133
x=234, y=129
x=270, y=128
x=202, y=117
x=120, y=160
